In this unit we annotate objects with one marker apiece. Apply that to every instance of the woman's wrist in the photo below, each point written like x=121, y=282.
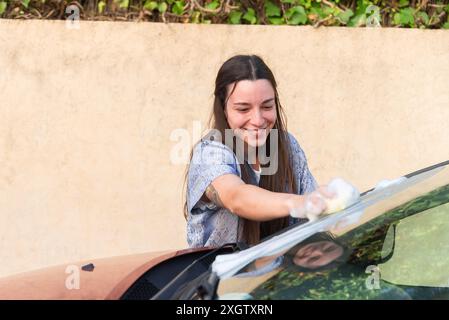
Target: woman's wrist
x=293, y=203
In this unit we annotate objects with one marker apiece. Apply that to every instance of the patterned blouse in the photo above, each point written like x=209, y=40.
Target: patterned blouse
x=210, y=225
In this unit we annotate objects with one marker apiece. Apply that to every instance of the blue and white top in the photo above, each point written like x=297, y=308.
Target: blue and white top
x=210, y=225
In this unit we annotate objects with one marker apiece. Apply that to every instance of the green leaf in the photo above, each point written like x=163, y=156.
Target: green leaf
x=101, y=6
x=345, y=16
x=124, y=4
x=424, y=17
x=296, y=15
x=3, y=6
x=289, y=1
x=306, y=3
x=360, y=8
x=319, y=12
x=328, y=11
x=406, y=17
x=357, y=21
x=250, y=16
x=298, y=18
x=272, y=10
x=150, y=5
x=178, y=7
x=162, y=7
x=235, y=17
x=397, y=19
x=195, y=18
x=446, y=25
x=25, y=3
x=213, y=5
x=276, y=20
x=403, y=3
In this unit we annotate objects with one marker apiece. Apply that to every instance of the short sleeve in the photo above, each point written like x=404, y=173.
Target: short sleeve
x=305, y=180
x=210, y=159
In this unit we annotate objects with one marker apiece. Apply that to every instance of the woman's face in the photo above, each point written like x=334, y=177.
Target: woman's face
x=317, y=254
x=251, y=110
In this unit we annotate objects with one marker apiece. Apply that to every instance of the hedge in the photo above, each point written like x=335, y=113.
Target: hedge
x=352, y=13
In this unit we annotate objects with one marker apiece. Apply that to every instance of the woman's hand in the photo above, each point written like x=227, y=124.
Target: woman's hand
x=310, y=205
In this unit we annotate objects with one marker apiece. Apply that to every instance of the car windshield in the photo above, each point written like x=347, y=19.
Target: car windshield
x=394, y=247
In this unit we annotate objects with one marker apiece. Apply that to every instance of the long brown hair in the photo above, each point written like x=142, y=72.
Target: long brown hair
x=252, y=67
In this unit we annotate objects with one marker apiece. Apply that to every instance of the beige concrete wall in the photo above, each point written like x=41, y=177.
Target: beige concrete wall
x=86, y=117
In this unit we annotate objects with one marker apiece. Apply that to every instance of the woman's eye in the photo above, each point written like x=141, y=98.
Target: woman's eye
x=243, y=110
x=329, y=249
x=267, y=107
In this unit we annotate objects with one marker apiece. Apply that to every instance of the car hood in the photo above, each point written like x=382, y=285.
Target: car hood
x=109, y=279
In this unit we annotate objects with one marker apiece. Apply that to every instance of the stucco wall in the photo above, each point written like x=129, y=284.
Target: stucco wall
x=86, y=117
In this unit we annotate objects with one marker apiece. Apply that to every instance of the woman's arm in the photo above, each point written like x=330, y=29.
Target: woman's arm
x=249, y=201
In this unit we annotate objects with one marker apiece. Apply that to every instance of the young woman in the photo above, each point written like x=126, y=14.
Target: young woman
x=234, y=196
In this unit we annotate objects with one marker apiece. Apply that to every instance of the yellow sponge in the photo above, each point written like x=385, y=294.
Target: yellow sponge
x=345, y=195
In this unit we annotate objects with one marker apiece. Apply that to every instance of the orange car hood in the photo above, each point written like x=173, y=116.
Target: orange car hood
x=110, y=278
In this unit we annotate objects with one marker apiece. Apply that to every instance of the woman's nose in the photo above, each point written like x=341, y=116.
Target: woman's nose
x=257, y=118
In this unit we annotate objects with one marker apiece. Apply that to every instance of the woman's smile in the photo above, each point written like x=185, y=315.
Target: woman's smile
x=251, y=110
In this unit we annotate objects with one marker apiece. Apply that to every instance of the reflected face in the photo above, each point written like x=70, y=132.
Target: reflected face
x=317, y=254
x=251, y=110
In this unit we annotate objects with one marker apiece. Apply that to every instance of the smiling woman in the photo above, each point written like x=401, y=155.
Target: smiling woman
x=251, y=118
x=235, y=196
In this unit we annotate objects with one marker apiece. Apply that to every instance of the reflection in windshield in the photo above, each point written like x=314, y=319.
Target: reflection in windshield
x=315, y=255
x=407, y=246
x=319, y=252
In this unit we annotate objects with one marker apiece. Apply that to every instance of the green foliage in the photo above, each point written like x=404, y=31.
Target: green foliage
x=405, y=17
x=345, y=16
x=424, y=18
x=357, y=21
x=403, y=3
x=3, y=6
x=250, y=16
x=296, y=15
x=272, y=10
x=178, y=7
x=150, y=5
x=101, y=6
x=196, y=17
x=350, y=13
x=124, y=4
x=235, y=17
x=213, y=5
x=162, y=7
